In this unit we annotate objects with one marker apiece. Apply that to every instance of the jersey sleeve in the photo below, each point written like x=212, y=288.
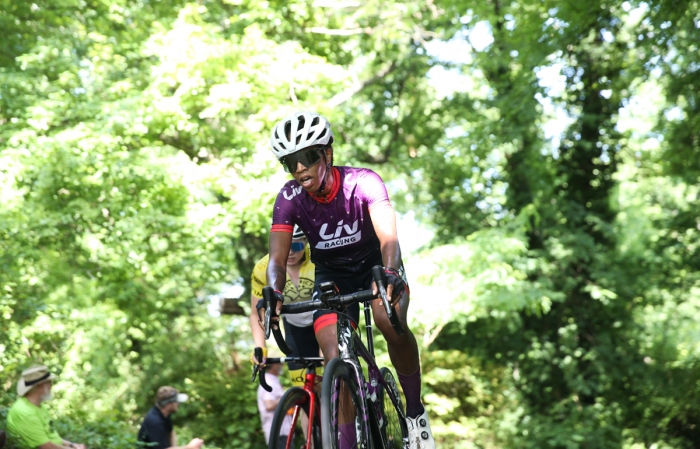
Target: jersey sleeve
x=374, y=191
x=258, y=280
x=283, y=212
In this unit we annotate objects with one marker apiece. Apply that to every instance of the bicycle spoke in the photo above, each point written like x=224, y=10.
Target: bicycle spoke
x=391, y=428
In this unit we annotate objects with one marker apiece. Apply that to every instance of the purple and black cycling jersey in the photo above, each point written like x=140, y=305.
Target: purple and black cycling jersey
x=338, y=227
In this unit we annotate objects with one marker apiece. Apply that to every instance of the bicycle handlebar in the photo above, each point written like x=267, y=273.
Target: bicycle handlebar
x=333, y=302
x=271, y=312
x=259, y=371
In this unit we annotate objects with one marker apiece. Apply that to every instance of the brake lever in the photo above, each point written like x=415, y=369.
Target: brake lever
x=380, y=279
x=268, y=297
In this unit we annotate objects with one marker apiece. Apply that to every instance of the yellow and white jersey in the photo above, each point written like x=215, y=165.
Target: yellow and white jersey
x=291, y=292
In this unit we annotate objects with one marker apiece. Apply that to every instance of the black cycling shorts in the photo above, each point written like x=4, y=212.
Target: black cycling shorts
x=301, y=340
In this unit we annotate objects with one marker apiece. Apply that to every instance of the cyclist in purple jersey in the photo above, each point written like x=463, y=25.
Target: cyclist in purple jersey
x=351, y=226
x=340, y=232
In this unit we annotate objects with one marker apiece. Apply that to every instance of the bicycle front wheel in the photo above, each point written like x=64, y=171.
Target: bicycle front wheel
x=290, y=422
x=342, y=411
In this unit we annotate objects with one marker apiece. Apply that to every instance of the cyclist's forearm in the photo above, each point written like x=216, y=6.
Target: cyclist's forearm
x=384, y=221
x=255, y=329
x=280, y=243
x=276, y=275
x=391, y=254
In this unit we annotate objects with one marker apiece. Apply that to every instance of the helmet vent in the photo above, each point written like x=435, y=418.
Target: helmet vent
x=323, y=133
x=315, y=121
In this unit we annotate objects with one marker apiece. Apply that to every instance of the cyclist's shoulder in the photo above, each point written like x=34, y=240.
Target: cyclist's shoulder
x=290, y=186
x=357, y=174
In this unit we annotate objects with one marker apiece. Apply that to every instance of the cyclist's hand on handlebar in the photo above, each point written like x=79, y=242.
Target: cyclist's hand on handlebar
x=255, y=360
x=395, y=285
x=260, y=306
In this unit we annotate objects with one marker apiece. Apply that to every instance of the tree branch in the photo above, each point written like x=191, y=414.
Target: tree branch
x=347, y=94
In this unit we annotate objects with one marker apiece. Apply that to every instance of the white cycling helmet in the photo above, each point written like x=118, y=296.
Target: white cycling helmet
x=299, y=131
x=298, y=233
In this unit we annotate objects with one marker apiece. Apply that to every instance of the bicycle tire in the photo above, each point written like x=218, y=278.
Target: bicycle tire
x=336, y=375
x=294, y=401
x=391, y=429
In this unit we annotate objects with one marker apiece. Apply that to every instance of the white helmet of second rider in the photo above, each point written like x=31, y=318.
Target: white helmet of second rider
x=298, y=233
x=299, y=131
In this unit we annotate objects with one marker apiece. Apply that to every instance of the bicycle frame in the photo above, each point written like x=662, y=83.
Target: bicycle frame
x=310, y=381
x=351, y=350
x=310, y=388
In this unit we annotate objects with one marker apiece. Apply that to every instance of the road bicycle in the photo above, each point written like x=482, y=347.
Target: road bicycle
x=297, y=415
x=371, y=405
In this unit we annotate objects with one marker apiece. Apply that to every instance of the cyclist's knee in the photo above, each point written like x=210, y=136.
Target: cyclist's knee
x=384, y=325
x=328, y=342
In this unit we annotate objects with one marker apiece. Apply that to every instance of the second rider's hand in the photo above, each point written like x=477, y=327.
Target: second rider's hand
x=255, y=361
x=195, y=443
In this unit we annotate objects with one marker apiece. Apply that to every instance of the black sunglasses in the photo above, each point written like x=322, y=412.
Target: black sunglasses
x=308, y=158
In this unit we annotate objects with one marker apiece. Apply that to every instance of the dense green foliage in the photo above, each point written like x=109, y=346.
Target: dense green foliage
x=552, y=149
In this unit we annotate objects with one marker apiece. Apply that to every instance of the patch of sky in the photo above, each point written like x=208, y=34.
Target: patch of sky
x=606, y=35
x=674, y=114
x=457, y=51
x=456, y=131
x=490, y=173
x=447, y=81
x=481, y=35
x=453, y=51
x=467, y=185
x=510, y=22
x=412, y=234
x=465, y=19
x=552, y=79
x=553, y=23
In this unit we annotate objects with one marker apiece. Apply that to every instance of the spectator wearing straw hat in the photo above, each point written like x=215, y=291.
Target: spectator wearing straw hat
x=28, y=420
x=157, y=431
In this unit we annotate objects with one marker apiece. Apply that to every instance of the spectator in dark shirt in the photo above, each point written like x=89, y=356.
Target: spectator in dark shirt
x=157, y=427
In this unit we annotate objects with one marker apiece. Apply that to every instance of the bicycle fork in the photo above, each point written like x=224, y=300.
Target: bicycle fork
x=310, y=380
x=346, y=351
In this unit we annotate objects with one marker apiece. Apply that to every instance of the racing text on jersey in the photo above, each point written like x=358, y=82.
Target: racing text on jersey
x=334, y=239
